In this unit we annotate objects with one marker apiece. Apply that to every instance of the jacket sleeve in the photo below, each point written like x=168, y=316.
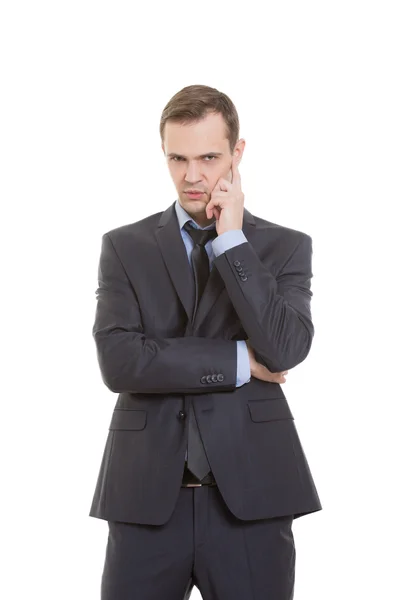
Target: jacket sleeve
x=274, y=311
x=130, y=361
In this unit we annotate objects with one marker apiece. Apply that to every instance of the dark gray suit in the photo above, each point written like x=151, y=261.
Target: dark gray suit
x=151, y=355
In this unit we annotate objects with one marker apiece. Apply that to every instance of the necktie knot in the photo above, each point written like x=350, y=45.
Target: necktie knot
x=200, y=236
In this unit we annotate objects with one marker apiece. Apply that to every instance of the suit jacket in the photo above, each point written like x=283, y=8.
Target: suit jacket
x=158, y=359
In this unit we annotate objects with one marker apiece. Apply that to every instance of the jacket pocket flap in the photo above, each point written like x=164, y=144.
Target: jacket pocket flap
x=269, y=410
x=125, y=418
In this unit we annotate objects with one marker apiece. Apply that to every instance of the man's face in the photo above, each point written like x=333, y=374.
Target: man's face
x=197, y=156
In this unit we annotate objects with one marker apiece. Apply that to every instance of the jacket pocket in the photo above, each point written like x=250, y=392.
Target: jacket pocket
x=126, y=418
x=273, y=409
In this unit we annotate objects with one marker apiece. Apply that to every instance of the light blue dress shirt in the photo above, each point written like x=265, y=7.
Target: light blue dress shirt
x=214, y=248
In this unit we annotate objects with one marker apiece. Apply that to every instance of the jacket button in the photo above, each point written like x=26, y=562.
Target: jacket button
x=181, y=415
x=243, y=277
x=214, y=378
x=236, y=263
x=209, y=380
x=239, y=269
x=203, y=379
x=220, y=377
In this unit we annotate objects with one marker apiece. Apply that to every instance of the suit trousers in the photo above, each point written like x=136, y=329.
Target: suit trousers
x=203, y=545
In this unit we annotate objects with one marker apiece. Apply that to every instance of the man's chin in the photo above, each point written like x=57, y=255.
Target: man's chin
x=195, y=201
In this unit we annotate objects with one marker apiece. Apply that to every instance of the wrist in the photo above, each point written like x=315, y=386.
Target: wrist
x=236, y=228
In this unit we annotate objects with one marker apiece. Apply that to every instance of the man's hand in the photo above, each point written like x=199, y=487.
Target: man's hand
x=258, y=370
x=227, y=202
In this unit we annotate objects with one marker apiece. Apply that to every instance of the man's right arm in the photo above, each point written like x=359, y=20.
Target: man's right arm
x=131, y=362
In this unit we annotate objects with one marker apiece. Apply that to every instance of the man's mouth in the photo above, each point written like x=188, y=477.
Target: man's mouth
x=194, y=194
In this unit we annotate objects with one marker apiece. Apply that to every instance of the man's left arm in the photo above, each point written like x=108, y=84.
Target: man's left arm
x=274, y=311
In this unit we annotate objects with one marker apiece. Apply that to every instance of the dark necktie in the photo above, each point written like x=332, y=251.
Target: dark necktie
x=197, y=459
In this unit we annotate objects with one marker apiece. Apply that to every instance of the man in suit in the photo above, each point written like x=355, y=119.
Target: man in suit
x=201, y=311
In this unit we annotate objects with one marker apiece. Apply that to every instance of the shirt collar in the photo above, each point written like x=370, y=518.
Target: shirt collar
x=183, y=217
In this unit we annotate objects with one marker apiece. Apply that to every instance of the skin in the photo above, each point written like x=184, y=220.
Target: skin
x=198, y=156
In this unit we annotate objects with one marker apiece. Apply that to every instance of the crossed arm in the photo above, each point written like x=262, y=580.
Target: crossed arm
x=275, y=313
x=132, y=362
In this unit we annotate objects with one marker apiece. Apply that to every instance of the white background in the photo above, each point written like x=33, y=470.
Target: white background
x=83, y=85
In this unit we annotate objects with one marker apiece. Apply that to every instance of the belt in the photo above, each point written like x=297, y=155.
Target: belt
x=190, y=480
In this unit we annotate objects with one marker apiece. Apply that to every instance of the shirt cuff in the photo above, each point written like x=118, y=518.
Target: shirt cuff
x=243, y=373
x=227, y=240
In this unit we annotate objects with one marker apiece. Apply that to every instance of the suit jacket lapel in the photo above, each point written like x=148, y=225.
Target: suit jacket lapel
x=175, y=257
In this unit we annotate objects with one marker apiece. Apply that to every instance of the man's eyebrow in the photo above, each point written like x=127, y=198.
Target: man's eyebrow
x=173, y=154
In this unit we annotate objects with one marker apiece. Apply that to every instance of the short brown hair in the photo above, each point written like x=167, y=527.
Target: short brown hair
x=195, y=102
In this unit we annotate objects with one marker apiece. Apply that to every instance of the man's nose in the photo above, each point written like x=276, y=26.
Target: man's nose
x=193, y=172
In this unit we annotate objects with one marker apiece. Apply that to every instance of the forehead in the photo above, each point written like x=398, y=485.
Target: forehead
x=206, y=135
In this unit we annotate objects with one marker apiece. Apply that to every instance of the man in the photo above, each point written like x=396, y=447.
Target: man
x=201, y=311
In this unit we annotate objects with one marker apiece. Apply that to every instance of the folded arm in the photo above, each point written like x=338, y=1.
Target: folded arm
x=132, y=362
